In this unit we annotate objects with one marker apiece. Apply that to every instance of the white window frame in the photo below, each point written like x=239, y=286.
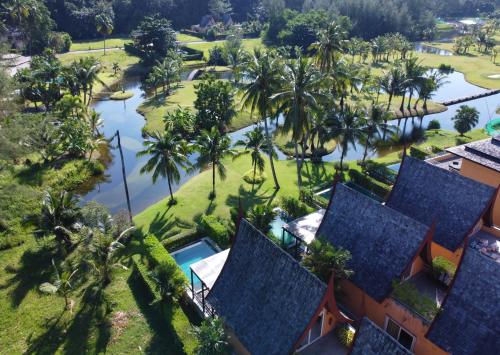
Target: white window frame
x=322, y=314
x=387, y=318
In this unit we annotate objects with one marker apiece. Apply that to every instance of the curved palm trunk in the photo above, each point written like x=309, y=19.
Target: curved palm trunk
x=170, y=188
x=402, y=107
x=390, y=100
x=270, y=153
x=409, y=100
x=297, y=161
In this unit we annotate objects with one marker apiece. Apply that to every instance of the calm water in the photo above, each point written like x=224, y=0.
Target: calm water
x=192, y=254
x=423, y=48
x=122, y=115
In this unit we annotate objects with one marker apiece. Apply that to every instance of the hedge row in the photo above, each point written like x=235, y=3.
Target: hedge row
x=417, y=153
x=142, y=271
x=181, y=239
x=214, y=228
x=369, y=183
x=191, y=53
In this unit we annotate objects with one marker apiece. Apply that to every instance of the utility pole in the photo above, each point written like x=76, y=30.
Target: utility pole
x=124, y=176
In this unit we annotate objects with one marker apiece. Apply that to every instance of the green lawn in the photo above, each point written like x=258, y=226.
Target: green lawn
x=477, y=67
x=248, y=44
x=114, y=42
x=181, y=37
x=129, y=65
x=155, y=108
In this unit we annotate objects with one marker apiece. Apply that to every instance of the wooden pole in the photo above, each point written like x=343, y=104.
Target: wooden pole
x=124, y=176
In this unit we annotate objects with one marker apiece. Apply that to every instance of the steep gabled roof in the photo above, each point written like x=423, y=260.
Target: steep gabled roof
x=371, y=340
x=485, y=152
x=469, y=322
x=382, y=241
x=428, y=193
x=264, y=295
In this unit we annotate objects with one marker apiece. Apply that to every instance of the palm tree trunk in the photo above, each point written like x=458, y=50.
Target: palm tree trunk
x=390, y=100
x=409, y=100
x=213, y=180
x=416, y=103
x=402, y=107
x=170, y=188
x=104, y=45
x=297, y=160
x=254, y=171
x=270, y=153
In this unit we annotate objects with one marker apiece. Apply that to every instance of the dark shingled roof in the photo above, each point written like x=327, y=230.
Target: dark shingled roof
x=428, y=193
x=382, y=241
x=264, y=295
x=485, y=152
x=371, y=340
x=469, y=322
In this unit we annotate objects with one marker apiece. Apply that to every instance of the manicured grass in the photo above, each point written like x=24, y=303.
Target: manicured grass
x=248, y=44
x=121, y=95
x=181, y=37
x=155, y=108
x=129, y=65
x=114, y=42
x=477, y=67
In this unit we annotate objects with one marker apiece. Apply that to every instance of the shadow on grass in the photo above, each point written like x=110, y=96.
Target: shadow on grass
x=34, y=269
x=164, y=339
x=252, y=198
x=51, y=339
x=317, y=174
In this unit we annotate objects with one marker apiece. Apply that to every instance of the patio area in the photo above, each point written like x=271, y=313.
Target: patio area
x=328, y=344
x=304, y=230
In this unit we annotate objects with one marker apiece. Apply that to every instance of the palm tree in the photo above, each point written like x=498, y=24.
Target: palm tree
x=167, y=71
x=348, y=127
x=62, y=284
x=376, y=119
x=213, y=148
x=261, y=217
x=255, y=142
x=297, y=98
x=116, y=68
x=87, y=70
x=168, y=153
x=236, y=56
x=212, y=338
x=95, y=122
x=414, y=72
x=261, y=76
x=429, y=86
x=59, y=213
x=330, y=44
x=104, y=25
x=465, y=119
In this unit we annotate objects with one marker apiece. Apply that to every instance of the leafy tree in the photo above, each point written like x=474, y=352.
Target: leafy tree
x=153, y=38
x=218, y=8
x=167, y=71
x=168, y=153
x=214, y=104
x=86, y=72
x=325, y=258
x=59, y=213
x=213, y=147
x=262, y=75
x=75, y=137
x=254, y=143
x=62, y=285
x=104, y=25
x=170, y=283
x=465, y=119
x=212, y=338
x=216, y=56
x=261, y=217
x=181, y=122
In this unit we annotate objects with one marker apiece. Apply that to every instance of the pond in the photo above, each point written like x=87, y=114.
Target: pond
x=424, y=48
x=122, y=115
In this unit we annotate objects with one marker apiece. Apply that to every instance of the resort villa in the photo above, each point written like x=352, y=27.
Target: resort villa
x=398, y=300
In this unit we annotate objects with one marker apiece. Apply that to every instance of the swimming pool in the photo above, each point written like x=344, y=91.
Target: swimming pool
x=394, y=167
x=189, y=255
x=277, y=229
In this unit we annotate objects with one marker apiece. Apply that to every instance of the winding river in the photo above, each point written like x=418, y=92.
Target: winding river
x=123, y=115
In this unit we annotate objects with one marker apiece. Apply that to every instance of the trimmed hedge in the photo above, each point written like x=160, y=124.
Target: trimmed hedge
x=181, y=239
x=215, y=229
x=191, y=53
x=417, y=153
x=369, y=183
x=143, y=273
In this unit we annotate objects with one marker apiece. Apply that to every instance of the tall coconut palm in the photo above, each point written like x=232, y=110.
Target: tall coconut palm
x=168, y=153
x=428, y=86
x=95, y=122
x=261, y=74
x=167, y=71
x=255, y=142
x=414, y=72
x=87, y=70
x=213, y=147
x=330, y=44
x=376, y=120
x=104, y=25
x=297, y=98
x=348, y=127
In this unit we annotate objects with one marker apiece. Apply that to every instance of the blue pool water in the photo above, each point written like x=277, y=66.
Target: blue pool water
x=394, y=167
x=277, y=229
x=190, y=255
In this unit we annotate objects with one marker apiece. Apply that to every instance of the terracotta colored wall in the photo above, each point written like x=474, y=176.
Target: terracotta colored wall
x=438, y=250
x=362, y=304
x=486, y=176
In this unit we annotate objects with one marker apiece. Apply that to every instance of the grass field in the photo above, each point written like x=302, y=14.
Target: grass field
x=477, y=67
x=248, y=44
x=155, y=108
x=181, y=37
x=113, y=42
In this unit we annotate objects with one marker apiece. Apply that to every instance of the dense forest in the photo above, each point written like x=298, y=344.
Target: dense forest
x=369, y=17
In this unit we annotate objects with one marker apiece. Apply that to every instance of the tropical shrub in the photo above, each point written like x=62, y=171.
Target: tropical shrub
x=293, y=207
x=212, y=338
x=59, y=42
x=417, y=153
x=409, y=295
x=324, y=257
x=434, y=124
x=377, y=187
x=215, y=228
x=144, y=275
x=442, y=266
x=261, y=216
x=257, y=179
x=345, y=166
x=345, y=335
x=216, y=56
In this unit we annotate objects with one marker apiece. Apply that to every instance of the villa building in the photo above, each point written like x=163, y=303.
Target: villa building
x=269, y=302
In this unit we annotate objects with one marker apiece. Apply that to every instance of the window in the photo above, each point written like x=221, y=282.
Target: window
x=398, y=333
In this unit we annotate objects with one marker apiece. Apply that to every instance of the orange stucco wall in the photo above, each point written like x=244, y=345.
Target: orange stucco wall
x=361, y=304
x=486, y=176
x=438, y=250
